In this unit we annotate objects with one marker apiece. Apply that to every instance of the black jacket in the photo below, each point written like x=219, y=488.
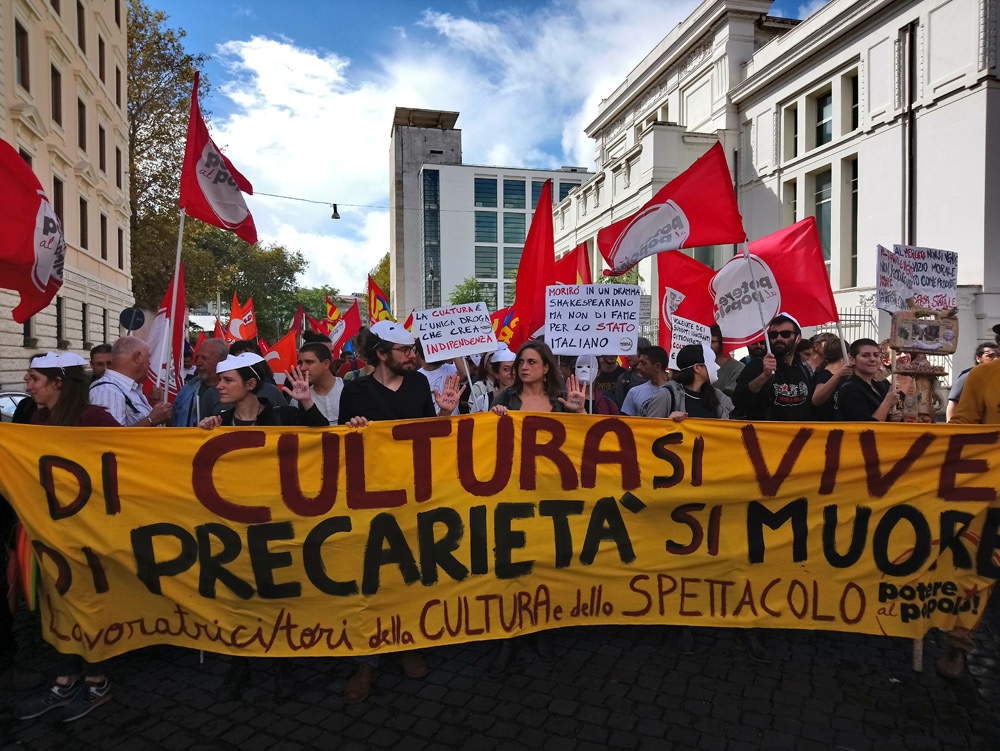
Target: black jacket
x=281, y=415
x=787, y=396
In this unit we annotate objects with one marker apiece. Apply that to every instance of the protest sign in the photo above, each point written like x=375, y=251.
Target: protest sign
x=935, y=276
x=592, y=319
x=683, y=332
x=894, y=281
x=454, y=331
x=301, y=542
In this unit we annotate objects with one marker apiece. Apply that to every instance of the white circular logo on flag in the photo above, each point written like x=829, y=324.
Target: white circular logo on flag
x=653, y=230
x=741, y=296
x=220, y=188
x=50, y=246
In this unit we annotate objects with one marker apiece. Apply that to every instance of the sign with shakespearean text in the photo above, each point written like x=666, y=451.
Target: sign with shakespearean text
x=592, y=319
x=296, y=542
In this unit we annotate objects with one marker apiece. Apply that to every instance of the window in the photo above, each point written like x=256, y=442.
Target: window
x=27, y=335
x=513, y=194
x=25, y=156
x=488, y=290
x=823, y=201
x=513, y=228
x=55, y=6
x=81, y=26
x=104, y=237
x=705, y=255
x=102, y=148
x=824, y=118
x=81, y=124
x=511, y=259
x=118, y=13
x=55, y=78
x=790, y=131
x=486, y=261
x=83, y=223
x=855, y=103
x=536, y=192
x=486, y=227
x=853, y=176
x=60, y=323
x=121, y=257
x=565, y=188
x=485, y=192
x=104, y=325
x=118, y=167
x=789, y=201
x=21, y=63
x=118, y=86
x=100, y=58
x=57, y=198
x=509, y=290
x=432, y=238
x=84, y=325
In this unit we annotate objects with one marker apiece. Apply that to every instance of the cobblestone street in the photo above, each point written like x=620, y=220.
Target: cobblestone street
x=608, y=687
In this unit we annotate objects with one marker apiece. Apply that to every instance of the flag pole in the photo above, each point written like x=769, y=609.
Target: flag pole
x=843, y=342
x=760, y=307
x=171, y=311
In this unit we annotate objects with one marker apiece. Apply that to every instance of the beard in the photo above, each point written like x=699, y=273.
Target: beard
x=401, y=368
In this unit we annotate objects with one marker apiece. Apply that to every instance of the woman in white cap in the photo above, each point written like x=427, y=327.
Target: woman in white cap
x=496, y=373
x=240, y=377
x=59, y=386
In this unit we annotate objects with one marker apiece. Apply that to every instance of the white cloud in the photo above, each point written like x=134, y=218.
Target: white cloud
x=807, y=9
x=309, y=123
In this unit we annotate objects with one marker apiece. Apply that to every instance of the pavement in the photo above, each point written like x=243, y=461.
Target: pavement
x=608, y=687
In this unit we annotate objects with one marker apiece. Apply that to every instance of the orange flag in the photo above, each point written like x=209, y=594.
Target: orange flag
x=242, y=321
x=378, y=303
x=283, y=354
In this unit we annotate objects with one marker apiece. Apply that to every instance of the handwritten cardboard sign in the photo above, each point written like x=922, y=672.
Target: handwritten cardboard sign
x=592, y=319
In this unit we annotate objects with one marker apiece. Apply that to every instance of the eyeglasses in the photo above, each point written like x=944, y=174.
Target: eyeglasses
x=406, y=349
x=780, y=334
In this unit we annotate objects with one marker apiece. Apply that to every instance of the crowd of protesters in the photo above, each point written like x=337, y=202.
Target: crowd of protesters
x=786, y=378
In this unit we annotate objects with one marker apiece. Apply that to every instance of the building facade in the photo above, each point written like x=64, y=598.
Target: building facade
x=63, y=107
x=451, y=221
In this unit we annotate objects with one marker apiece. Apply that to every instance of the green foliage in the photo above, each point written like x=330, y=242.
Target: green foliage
x=380, y=273
x=470, y=290
x=629, y=277
x=313, y=299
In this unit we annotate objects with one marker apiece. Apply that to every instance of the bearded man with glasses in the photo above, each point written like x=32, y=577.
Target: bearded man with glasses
x=777, y=386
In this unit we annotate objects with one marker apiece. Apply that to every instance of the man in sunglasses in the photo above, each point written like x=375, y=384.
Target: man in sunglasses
x=777, y=386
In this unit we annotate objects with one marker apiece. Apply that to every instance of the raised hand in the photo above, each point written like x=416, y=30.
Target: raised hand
x=447, y=398
x=299, y=390
x=576, y=397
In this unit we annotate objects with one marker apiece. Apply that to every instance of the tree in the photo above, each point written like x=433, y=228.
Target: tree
x=313, y=299
x=627, y=277
x=380, y=273
x=471, y=290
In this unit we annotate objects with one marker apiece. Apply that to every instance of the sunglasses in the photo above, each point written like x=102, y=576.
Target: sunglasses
x=780, y=334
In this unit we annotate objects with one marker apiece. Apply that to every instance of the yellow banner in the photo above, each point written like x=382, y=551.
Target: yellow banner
x=292, y=541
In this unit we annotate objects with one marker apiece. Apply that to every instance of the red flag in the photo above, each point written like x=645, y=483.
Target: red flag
x=166, y=340
x=574, y=267
x=32, y=247
x=318, y=327
x=242, y=321
x=504, y=324
x=534, y=273
x=332, y=314
x=408, y=323
x=218, y=333
x=378, y=304
x=201, y=340
x=283, y=354
x=346, y=327
x=299, y=321
x=683, y=293
x=786, y=274
x=696, y=208
x=211, y=187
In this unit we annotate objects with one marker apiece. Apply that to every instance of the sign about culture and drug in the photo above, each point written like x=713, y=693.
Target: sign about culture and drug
x=455, y=331
x=894, y=281
x=400, y=535
x=935, y=276
x=592, y=319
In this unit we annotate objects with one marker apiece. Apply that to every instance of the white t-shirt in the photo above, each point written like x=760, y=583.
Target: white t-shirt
x=437, y=376
x=328, y=403
x=637, y=396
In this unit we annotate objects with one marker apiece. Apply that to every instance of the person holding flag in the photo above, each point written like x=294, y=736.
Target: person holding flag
x=777, y=386
x=119, y=390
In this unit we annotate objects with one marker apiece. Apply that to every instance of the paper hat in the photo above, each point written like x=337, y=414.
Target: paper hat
x=57, y=360
x=503, y=354
x=242, y=360
x=392, y=332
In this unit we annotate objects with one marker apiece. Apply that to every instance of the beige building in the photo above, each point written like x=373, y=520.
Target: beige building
x=63, y=107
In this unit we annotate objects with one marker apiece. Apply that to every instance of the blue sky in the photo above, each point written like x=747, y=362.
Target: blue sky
x=303, y=93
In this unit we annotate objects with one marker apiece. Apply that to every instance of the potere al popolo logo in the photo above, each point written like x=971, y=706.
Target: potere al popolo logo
x=50, y=246
x=653, y=230
x=744, y=297
x=219, y=187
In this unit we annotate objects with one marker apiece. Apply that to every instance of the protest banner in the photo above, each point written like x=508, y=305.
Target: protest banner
x=893, y=281
x=592, y=319
x=935, y=276
x=454, y=331
x=683, y=332
x=303, y=542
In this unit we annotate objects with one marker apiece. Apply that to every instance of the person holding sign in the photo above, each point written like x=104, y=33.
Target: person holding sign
x=538, y=384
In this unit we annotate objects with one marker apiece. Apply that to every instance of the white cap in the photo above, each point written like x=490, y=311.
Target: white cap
x=503, y=354
x=791, y=318
x=57, y=360
x=392, y=332
x=235, y=362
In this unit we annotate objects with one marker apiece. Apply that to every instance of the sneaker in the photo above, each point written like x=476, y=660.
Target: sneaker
x=52, y=697
x=87, y=699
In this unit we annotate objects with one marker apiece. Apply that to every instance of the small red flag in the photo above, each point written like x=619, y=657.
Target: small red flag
x=299, y=321
x=211, y=187
x=166, y=340
x=683, y=292
x=218, y=333
x=535, y=272
x=242, y=321
x=696, y=208
x=346, y=327
x=318, y=327
x=574, y=267
x=408, y=323
x=786, y=274
x=282, y=355
x=378, y=304
x=201, y=340
x=32, y=247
